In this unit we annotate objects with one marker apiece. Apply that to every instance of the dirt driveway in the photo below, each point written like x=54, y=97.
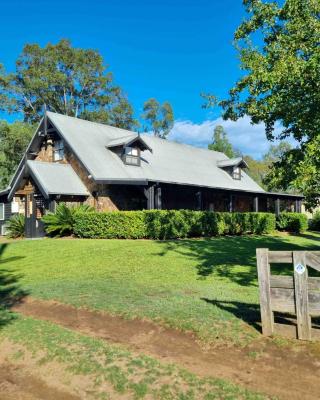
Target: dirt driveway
x=274, y=370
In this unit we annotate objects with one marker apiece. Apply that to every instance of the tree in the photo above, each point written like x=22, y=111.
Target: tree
x=279, y=48
x=259, y=170
x=221, y=143
x=158, y=117
x=14, y=139
x=276, y=153
x=70, y=81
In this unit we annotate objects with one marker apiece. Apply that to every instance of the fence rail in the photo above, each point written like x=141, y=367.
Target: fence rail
x=296, y=294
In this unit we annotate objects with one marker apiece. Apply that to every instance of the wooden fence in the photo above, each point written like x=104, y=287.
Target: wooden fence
x=297, y=294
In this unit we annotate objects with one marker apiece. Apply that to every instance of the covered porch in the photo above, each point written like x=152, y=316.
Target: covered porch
x=170, y=196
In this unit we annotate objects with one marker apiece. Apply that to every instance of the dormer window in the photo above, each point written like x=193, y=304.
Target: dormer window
x=58, y=151
x=233, y=166
x=129, y=148
x=131, y=156
x=236, y=174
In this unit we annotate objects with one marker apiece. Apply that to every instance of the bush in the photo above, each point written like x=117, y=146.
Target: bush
x=15, y=226
x=292, y=222
x=169, y=224
x=315, y=222
x=61, y=223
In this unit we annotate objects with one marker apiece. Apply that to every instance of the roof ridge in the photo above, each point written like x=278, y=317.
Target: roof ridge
x=181, y=144
x=92, y=122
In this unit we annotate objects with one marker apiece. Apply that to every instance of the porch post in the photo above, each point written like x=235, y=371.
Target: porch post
x=256, y=204
x=199, y=200
x=231, y=203
x=277, y=206
x=297, y=206
x=158, y=198
x=149, y=193
x=52, y=205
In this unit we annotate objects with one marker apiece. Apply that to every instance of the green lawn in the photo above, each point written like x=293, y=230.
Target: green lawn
x=207, y=286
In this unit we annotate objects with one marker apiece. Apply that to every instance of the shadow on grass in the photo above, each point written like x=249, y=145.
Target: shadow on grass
x=249, y=313
x=11, y=292
x=234, y=258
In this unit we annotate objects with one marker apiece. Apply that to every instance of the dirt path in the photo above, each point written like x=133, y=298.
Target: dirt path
x=17, y=384
x=277, y=371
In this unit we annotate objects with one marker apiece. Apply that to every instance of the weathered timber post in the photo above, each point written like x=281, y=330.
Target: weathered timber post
x=301, y=295
x=267, y=318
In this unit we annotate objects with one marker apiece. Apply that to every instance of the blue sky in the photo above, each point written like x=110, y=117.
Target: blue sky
x=171, y=50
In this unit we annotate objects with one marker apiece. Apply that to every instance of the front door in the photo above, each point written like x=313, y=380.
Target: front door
x=35, y=207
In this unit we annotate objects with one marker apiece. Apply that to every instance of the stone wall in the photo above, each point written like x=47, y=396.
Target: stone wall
x=46, y=152
x=99, y=194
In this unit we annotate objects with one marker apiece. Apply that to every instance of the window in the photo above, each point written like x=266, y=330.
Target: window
x=3, y=230
x=14, y=207
x=131, y=156
x=58, y=152
x=236, y=173
x=1, y=211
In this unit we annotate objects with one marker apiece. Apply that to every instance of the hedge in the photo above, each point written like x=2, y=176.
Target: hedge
x=169, y=224
x=315, y=222
x=292, y=222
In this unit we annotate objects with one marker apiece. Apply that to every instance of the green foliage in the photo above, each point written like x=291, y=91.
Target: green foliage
x=260, y=170
x=279, y=51
x=14, y=139
x=170, y=224
x=15, y=226
x=221, y=143
x=292, y=222
x=70, y=81
x=61, y=223
x=315, y=222
x=159, y=117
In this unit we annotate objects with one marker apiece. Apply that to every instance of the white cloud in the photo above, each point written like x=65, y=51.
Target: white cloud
x=249, y=139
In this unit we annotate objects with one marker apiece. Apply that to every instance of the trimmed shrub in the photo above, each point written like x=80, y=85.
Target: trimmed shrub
x=169, y=224
x=110, y=225
x=292, y=222
x=62, y=221
x=15, y=226
x=315, y=222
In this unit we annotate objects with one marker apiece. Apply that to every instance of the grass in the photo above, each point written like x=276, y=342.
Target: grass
x=207, y=286
x=111, y=370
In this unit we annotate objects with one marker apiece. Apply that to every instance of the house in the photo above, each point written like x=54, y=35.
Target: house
x=76, y=161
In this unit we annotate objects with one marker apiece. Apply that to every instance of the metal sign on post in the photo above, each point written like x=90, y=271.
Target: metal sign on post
x=300, y=269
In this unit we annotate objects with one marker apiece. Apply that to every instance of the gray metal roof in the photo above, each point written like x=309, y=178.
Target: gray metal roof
x=169, y=162
x=55, y=178
x=232, y=162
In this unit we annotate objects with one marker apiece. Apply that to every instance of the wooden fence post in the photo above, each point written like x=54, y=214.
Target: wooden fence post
x=263, y=267
x=301, y=295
